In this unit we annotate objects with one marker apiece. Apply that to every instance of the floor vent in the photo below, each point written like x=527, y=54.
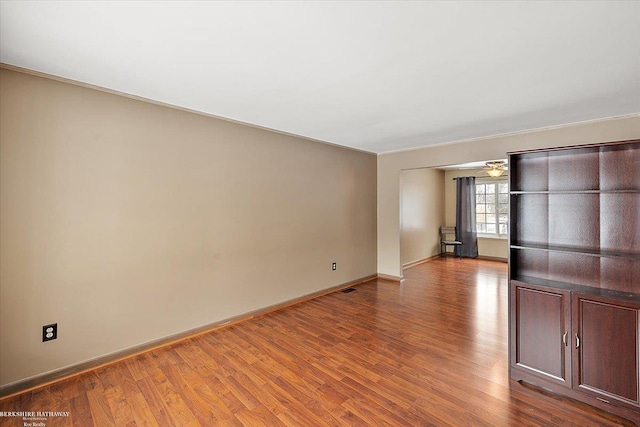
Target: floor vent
x=346, y=291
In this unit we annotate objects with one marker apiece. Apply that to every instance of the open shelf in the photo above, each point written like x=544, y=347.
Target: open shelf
x=598, y=168
x=575, y=215
x=578, y=250
x=517, y=193
x=612, y=271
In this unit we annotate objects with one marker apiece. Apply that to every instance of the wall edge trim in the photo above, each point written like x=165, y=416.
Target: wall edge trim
x=420, y=261
x=492, y=258
x=390, y=277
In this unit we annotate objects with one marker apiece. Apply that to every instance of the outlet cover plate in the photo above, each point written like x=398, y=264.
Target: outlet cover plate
x=49, y=332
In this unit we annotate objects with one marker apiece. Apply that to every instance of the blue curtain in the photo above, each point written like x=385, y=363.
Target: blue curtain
x=466, y=217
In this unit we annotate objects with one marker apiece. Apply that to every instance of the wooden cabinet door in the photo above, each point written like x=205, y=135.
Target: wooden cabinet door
x=540, y=335
x=606, y=357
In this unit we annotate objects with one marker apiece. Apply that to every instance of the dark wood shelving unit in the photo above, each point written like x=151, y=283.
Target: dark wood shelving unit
x=574, y=269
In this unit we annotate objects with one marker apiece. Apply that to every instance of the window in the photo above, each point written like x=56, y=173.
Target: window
x=492, y=208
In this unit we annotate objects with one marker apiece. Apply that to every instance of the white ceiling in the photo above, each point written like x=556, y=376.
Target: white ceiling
x=376, y=76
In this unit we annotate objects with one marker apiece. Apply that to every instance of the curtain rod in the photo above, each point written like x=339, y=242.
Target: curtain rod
x=484, y=177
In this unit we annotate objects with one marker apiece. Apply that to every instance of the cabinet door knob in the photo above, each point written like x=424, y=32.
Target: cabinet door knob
x=577, y=341
x=564, y=338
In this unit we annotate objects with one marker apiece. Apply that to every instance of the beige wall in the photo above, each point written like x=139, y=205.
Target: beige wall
x=390, y=165
x=125, y=221
x=487, y=247
x=422, y=195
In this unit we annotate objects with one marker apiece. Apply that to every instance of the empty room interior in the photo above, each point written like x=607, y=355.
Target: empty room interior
x=319, y=213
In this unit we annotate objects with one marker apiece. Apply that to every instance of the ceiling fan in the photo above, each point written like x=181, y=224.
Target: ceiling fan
x=495, y=169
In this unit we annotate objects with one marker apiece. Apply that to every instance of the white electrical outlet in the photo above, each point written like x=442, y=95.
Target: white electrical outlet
x=49, y=332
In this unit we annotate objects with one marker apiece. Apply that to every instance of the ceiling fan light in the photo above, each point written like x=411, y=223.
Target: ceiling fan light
x=494, y=173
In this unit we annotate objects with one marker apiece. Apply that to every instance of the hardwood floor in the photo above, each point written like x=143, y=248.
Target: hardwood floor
x=429, y=351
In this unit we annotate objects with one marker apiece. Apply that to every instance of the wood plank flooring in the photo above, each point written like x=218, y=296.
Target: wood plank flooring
x=431, y=351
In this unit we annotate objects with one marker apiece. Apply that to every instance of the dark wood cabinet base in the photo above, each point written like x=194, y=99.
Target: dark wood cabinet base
x=524, y=379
